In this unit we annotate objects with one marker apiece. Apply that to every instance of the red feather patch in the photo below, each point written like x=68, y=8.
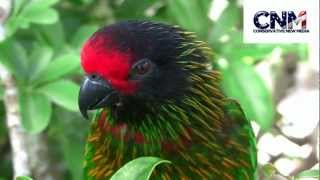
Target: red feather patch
x=99, y=56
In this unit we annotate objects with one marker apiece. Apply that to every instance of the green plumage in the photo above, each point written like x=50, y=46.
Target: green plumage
x=205, y=136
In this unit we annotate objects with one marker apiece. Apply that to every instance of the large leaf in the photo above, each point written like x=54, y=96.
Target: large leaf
x=60, y=67
x=42, y=16
x=191, y=14
x=63, y=92
x=241, y=82
x=138, y=169
x=35, y=111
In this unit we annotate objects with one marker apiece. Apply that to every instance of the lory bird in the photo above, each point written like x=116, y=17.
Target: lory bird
x=158, y=95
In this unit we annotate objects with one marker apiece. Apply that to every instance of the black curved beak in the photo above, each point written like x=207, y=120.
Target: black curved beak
x=94, y=93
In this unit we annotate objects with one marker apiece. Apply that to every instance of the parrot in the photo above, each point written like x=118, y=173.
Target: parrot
x=156, y=92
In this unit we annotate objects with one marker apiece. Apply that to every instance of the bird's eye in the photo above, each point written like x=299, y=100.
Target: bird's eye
x=142, y=67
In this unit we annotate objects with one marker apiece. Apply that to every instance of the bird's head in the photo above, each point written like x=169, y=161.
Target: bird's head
x=134, y=64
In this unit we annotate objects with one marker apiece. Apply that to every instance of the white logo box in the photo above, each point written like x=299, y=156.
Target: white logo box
x=251, y=7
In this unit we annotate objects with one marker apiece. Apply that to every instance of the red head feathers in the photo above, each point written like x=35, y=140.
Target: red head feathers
x=101, y=56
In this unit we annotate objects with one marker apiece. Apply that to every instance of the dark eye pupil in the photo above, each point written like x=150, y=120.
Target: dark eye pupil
x=143, y=67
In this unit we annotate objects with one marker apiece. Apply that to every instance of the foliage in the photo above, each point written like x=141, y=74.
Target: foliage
x=42, y=47
x=37, y=66
x=138, y=169
x=312, y=173
x=23, y=178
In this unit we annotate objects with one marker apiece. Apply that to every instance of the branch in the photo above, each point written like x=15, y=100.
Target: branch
x=30, y=154
x=311, y=160
x=13, y=120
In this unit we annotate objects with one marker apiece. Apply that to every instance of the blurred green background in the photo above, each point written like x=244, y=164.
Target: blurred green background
x=41, y=44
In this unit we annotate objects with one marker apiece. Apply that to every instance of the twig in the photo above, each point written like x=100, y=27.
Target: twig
x=311, y=160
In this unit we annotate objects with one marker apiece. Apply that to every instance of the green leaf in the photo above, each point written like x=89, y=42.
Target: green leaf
x=138, y=169
x=39, y=60
x=60, y=67
x=241, y=82
x=36, y=6
x=53, y=35
x=14, y=58
x=13, y=23
x=24, y=12
x=82, y=35
x=20, y=59
x=42, y=16
x=63, y=92
x=17, y=6
x=312, y=173
x=35, y=111
x=23, y=178
x=191, y=14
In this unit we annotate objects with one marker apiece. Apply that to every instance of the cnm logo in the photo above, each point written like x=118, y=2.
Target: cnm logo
x=286, y=20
